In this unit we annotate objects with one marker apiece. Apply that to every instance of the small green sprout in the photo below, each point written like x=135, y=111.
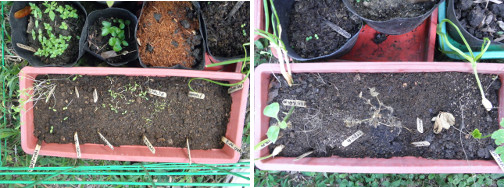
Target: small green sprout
x=50, y=8
x=243, y=29
x=64, y=119
x=316, y=36
x=497, y=135
x=51, y=131
x=117, y=41
x=54, y=110
x=65, y=108
x=63, y=26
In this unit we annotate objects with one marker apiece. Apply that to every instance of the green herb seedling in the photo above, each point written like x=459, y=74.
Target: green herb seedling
x=117, y=41
x=497, y=135
x=51, y=131
x=50, y=8
x=471, y=58
x=63, y=26
x=273, y=131
x=243, y=29
x=316, y=36
x=309, y=38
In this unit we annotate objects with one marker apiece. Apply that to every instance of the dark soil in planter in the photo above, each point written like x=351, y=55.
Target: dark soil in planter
x=169, y=34
x=334, y=110
x=381, y=10
x=74, y=29
x=99, y=44
x=307, y=20
x=225, y=35
x=480, y=21
x=123, y=115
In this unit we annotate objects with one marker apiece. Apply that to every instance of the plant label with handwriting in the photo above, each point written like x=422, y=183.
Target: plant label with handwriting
x=35, y=156
x=235, y=88
x=497, y=159
x=231, y=144
x=196, y=95
x=352, y=138
x=296, y=103
x=157, y=93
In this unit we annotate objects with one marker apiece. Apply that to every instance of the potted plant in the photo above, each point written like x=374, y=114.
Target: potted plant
x=143, y=105
x=109, y=35
x=47, y=33
x=394, y=17
x=476, y=20
x=169, y=35
x=371, y=122
x=227, y=28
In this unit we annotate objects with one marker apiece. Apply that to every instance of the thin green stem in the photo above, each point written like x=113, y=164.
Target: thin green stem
x=215, y=82
x=266, y=15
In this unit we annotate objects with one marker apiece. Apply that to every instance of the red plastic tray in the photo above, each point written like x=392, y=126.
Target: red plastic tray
x=366, y=165
x=417, y=45
x=135, y=152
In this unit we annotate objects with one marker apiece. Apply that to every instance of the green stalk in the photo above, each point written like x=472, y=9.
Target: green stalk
x=215, y=82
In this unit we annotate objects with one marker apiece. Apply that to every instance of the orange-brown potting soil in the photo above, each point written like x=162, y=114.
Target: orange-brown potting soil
x=168, y=38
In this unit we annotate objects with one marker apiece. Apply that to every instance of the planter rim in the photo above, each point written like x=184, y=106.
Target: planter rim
x=367, y=165
x=136, y=152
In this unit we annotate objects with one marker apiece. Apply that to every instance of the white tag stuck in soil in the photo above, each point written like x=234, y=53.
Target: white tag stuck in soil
x=352, y=138
x=419, y=125
x=296, y=103
x=265, y=144
x=231, y=144
x=235, y=88
x=157, y=93
x=106, y=141
x=149, y=145
x=77, y=147
x=421, y=144
x=497, y=159
x=34, y=156
x=196, y=95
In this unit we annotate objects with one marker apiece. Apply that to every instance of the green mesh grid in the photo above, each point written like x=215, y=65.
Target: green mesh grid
x=143, y=174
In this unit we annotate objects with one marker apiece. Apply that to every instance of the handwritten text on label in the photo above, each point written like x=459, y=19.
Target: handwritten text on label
x=235, y=88
x=77, y=147
x=157, y=93
x=149, y=145
x=35, y=156
x=297, y=103
x=421, y=144
x=497, y=159
x=352, y=138
x=196, y=95
x=231, y=144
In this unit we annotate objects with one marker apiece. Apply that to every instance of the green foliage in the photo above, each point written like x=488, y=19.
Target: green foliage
x=51, y=6
x=53, y=45
x=243, y=29
x=272, y=111
x=67, y=12
x=497, y=135
x=322, y=179
x=117, y=41
x=110, y=3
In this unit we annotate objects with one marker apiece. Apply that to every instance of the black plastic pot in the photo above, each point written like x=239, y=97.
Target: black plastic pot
x=283, y=9
x=19, y=35
x=200, y=64
x=395, y=26
x=473, y=41
x=218, y=58
x=116, y=13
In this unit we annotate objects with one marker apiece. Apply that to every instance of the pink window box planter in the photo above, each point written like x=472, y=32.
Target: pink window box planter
x=136, y=152
x=366, y=165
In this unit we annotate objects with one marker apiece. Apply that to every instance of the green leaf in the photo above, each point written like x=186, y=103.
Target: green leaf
x=476, y=134
x=105, y=31
x=106, y=24
x=502, y=122
x=117, y=48
x=110, y=3
x=498, y=136
x=282, y=125
x=127, y=22
x=272, y=133
x=272, y=110
x=112, y=41
x=259, y=45
x=121, y=25
x=52, y=15
x=124, y=43
x=499, y=150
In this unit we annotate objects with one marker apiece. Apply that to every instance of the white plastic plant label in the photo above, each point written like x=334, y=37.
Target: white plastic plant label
x=149, y=145
x=235, y=88
x=35, y=156
x=77, y=146
x=231, y=144
x=196, y=95
x=352, y=138
x=106, y=141
x=421, y=144
x=419, y=125
x=265, y=144
x=157, y=93
x=497, y=159
x=303, y=156
x=296, y=103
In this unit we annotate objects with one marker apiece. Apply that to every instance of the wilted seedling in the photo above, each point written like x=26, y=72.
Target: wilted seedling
x=273, y=131
x=443, y=120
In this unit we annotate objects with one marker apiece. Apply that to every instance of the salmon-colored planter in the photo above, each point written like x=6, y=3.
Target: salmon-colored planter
x=136, y=152
x=366, y=165
x=258, y=17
